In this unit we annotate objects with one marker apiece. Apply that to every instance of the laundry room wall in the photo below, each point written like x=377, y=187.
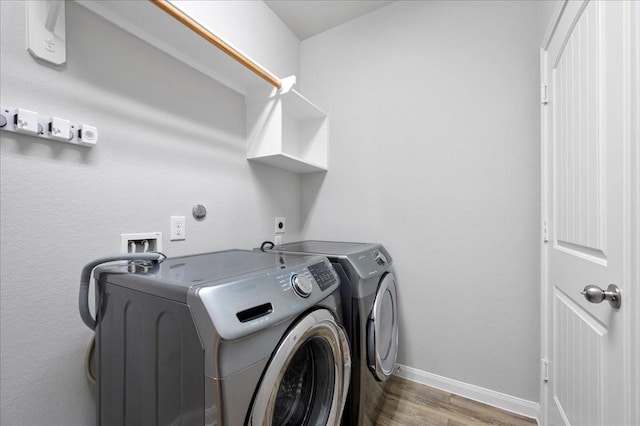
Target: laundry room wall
x=434, y=152
x=169, y=138
x=252, y=28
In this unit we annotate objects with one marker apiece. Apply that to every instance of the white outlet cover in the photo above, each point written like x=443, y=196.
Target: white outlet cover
x=280, y=229
x=178, y=231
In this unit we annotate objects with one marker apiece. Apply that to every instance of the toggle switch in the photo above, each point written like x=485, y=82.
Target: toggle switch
x=26, y=121
x=59, y=129
x=87, y=135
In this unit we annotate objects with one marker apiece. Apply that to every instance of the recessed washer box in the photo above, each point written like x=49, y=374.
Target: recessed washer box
x=144, y=242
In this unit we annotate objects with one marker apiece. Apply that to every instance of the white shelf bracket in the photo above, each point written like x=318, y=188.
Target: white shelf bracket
x=46, y=30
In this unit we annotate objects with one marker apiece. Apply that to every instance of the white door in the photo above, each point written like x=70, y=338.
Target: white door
x=588, y=193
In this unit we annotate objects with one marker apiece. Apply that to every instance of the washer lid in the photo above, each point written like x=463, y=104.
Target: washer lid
x=176, y=275
x=325, y=247
x=366, y=259
x=219, y=266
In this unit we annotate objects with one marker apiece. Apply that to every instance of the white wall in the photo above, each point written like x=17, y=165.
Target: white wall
x=169, y=138
x=434, y=151
x=252, y=28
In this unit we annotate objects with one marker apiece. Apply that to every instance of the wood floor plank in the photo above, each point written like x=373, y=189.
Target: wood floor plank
x=408, y=403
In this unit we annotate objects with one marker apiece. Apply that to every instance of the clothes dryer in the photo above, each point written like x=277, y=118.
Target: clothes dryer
x=369, y=297
x=226, y=338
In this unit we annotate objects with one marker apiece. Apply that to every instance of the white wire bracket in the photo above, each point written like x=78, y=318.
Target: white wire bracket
x=46, y=30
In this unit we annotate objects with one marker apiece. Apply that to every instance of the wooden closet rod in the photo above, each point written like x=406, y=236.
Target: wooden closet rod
x=216, y=41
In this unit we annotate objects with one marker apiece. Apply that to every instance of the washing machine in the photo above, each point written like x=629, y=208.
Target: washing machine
x=369, y=299
x=224, y=338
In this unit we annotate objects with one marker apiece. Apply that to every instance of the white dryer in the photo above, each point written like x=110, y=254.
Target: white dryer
x=226, y=338
x=369, y=300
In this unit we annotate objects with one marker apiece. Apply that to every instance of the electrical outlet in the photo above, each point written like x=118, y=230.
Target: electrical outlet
x=141, y=242
x=178, y=231
x=280, y=227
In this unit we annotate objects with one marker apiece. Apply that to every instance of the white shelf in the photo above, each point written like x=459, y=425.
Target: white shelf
x=286, y=130
x=288, y=162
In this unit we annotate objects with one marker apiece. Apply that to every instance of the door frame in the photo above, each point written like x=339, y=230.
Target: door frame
x=631, y=206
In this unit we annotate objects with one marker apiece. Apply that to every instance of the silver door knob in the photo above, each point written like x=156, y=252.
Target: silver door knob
x=595, y=294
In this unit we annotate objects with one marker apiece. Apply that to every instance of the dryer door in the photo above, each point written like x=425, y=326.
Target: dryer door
x=382, y=330
x=307, y=378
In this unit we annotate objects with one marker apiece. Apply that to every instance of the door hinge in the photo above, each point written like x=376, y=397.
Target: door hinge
x=545, y=232
x=544, y=94
x=545, y=370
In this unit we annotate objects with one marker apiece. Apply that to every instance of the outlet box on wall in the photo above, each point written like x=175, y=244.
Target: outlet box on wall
x=280, y=225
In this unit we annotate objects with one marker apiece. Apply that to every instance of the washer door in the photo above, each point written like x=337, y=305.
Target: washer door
x=307, y=379
x=382, y=330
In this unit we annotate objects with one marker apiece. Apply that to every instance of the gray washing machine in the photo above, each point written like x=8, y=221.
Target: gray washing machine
x=369, y=310
x=225, y=338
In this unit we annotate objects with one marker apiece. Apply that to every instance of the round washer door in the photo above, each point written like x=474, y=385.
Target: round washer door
x=382, y=330
x=307, y=378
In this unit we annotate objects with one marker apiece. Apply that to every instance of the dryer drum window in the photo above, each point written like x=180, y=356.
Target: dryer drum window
x=382, y=330
x=306, y=380
x=306, y=389
x=385, y=322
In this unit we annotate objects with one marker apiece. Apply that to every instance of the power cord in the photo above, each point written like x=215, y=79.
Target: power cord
x=266, y=243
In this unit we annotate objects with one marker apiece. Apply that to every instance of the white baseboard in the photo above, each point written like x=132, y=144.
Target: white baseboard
x=476, y=393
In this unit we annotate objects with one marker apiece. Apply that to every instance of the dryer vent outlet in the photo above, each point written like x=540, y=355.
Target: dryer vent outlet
x=141, y=242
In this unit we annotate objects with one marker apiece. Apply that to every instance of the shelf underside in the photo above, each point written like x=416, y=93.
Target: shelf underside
x=289, y=162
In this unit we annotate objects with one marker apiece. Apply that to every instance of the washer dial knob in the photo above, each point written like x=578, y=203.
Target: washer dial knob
x=301, y=285
x=380, y=258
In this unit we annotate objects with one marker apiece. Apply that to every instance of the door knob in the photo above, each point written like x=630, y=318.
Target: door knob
x=595, y=294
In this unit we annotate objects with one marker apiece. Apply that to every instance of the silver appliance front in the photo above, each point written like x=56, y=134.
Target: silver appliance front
x=307, y=378
x=369, y=302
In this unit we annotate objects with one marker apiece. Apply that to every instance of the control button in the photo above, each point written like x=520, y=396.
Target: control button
x=380, y=258
x=301, y=285
x=323, y=275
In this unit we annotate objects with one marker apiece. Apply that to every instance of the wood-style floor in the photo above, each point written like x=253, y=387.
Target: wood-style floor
x=411, y=404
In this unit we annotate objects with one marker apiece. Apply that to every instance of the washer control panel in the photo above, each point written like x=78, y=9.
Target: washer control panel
x=301, y=285
x=323, y=274
x=237, y=306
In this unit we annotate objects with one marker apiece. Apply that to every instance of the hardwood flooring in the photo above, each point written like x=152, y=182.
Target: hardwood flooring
x=408, y=403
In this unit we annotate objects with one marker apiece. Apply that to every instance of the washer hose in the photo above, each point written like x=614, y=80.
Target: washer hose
x=85, y=277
